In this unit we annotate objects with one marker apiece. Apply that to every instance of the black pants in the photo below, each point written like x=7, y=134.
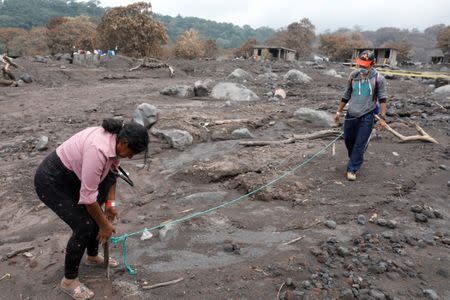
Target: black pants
x=59, y=188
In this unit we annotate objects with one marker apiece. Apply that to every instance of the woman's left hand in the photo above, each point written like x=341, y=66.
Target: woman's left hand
x=381, y=124
x=111, y=213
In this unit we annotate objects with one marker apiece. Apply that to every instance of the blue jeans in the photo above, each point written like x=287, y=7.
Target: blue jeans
x=356, y=135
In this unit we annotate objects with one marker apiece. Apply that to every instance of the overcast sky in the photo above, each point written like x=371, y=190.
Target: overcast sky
x=324, y=14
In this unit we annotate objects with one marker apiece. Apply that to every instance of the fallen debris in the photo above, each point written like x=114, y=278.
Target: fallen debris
x=294, y=240
x=7, y=275
x=154, y=286
x=296, y=137
x=422, y=136
x=153, y=63
x=17, y=252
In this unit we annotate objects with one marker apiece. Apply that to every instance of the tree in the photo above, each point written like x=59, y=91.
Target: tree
x=66, y=33
x=246, y=49
x=298, y=36
x=210, y=48
x=133, y=31
x=29, y=43
x=403, y=47
x=339, y=45
x=189, y=45
x=443, y=39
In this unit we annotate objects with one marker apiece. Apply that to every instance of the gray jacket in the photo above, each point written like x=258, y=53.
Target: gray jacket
x=362, y=94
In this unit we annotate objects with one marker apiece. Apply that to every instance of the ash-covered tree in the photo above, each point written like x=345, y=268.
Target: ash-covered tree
x=189, y=45
x=7, y=34
x=68, y=33
x=246, y=49
x=28, y=43
x=133, y=31
x=443, y=39
x=210, y=48
x=339, y=45
x=298, y=36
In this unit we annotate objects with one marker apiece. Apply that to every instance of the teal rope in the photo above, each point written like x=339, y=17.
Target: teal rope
x=123, y=238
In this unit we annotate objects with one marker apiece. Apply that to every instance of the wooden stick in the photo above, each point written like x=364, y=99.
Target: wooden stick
x=423, y=136
x=16, y=252
x=7, y=275
x=294, y=138
x=279, y=290
x=106, y=258
x=294, y=240
x=154, y=286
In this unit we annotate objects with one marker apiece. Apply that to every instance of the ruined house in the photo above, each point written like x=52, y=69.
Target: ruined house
x=275, y=52
x=383, y=56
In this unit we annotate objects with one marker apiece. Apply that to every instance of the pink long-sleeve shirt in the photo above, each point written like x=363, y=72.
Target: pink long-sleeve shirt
x=90, y=154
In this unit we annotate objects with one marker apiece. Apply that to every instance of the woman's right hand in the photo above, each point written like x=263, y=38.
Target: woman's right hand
x=105, y=232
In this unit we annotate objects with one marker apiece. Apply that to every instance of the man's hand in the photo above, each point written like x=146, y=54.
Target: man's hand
x=381, y=124
x=111, y=213
x=337, y=118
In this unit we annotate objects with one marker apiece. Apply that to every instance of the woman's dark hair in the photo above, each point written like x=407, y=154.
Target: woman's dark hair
x=134, y=133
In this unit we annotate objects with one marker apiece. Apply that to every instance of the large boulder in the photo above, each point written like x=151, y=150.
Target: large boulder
x=443, y=89
x=332, y=72
x=240, y=75
x=178, y=90
x=233, y=92
x=316, y=117
x=146, y=115
x=296, y=76
x=242, y=133
x=202, y=88
x=178, y=139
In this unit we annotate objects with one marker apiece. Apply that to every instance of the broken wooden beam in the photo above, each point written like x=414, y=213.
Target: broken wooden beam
x=422, y=136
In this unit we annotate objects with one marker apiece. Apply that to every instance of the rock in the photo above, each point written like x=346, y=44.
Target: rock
x=378, y=295
x=421, y=218
x=242, y=133
x=438, y=214
x=442, y=167
x=178, y=139
x=42, y=144
x=332, y=72
x=446, y=241
x=342, y=251
x=228, y=247
x=233, y=92
x=295, y=76
x=417, y=208
x=316, y=117
x=26, y=78
x=40, y=59
x=267, y=77
x=146, y=115
x=169, y=232
x=280, y=94
x=66, y=56
x=306, y=284
x=240, y=75
x=202, y=88
x=19, y=83
x=443, y=89
x=448, y=183
x=428, y=212
x=178, y=90
x=387, y=234
x=289, y=282
x=382, y=222
x=394, y=276
x=430, y=294
x=330, y=224
x=361, y=220
x=391, y=224
x=442, y=272
x=346, y=294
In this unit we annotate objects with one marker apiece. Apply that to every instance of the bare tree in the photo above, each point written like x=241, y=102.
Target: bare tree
x=246, y=49
x=133, y=31
x=339, y=45
x=443, y=39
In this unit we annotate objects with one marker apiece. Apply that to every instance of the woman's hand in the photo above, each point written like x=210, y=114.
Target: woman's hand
x=111, y=213
x=105, y=232
x=381, y=123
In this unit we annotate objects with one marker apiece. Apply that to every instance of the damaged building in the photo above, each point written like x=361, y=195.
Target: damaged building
x=383, y=56
x=275, y=52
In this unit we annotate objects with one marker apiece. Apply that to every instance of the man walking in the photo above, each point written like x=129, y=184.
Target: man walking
x=366, y=97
